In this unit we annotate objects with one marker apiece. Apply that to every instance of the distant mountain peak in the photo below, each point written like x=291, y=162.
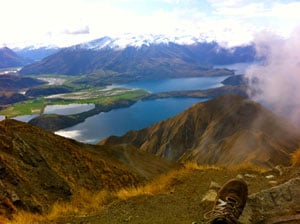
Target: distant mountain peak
x=8, y=58
x=130, y=40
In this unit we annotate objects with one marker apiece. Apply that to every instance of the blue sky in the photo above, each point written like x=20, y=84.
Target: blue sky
x=67, y=22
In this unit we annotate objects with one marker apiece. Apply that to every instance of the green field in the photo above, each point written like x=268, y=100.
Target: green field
x=98, y=96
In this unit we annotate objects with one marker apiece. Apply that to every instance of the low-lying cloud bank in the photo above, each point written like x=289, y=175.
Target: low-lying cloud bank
x=276, y=82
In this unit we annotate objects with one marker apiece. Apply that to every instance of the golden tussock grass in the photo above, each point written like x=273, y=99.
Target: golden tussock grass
x=159, y=185
x=296, y=158
x=83, y=202
x=86, y=202
x=248, y=166
x=195, y=166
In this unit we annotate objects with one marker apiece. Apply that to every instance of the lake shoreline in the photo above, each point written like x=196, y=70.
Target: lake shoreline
x=55, y=122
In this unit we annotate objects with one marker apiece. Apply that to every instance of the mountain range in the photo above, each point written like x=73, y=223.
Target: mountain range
x=18, y=57
x=32, y=54
x=227, y=130
x=140, y=57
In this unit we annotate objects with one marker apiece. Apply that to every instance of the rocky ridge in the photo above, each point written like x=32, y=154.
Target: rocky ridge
x=227, y=130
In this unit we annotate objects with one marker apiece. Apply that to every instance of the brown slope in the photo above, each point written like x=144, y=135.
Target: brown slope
x=226, y=130
x=38, y=168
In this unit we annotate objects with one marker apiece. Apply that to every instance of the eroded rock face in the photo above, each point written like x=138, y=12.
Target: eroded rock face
x=280, y=203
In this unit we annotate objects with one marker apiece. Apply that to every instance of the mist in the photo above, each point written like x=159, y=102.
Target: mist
x=276, y=81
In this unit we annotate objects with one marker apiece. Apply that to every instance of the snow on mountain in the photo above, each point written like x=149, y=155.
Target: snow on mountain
x=126, y=40
x=35, y=53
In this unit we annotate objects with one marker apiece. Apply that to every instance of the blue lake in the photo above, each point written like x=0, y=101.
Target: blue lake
x=142, y=113
x=166, y=85
x=119, y=121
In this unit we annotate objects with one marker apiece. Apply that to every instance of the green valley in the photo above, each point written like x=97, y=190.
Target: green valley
x=97, y=96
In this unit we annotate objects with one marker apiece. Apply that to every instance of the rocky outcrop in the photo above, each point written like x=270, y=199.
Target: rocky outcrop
x=278, y=204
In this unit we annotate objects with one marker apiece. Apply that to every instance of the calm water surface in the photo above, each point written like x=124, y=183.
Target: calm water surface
x=142, y=113
x=166, y=85
x=137, y=116
x=26, y=118
x=119, y=121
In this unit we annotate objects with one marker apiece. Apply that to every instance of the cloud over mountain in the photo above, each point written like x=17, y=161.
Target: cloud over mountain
x=278, y=78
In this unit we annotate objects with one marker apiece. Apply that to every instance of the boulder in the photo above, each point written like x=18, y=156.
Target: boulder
x=274, y=205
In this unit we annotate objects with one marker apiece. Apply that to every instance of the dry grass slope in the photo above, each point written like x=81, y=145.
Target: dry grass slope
x=177, y=184
x=85, y=202
x=296, y=158
x=46, y=171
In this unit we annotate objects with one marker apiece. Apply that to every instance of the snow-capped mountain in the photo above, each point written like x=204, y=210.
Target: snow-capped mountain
x=35, y=53
x=129, y=40
x=144, y=56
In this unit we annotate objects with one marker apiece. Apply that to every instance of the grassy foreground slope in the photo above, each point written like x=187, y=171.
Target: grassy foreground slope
x=180, y=197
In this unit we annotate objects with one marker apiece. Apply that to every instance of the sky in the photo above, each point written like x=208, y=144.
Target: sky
x=67, y=22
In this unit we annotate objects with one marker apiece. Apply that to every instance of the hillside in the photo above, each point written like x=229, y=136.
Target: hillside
x=149, y=60
x=227, y=130
x=39, y=168
x=9, y=58
x=183, y=197
x=190, y=192
x=51, y=179
x=13, y=82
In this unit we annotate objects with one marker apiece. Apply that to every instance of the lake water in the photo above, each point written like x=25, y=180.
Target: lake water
x=119, y=121
x=142, y=113
x=166, y=85
x=137, y=116
x=68, y=109
x=26, y=118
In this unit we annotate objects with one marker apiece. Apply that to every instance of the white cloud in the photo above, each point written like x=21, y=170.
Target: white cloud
x=56, y=22
x=276, y=82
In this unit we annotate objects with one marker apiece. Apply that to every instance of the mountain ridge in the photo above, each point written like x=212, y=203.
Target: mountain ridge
x=225, y=131
x=38, y=168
